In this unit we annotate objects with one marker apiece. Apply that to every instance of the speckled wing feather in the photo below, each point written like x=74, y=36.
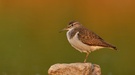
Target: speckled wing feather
x=90, y=38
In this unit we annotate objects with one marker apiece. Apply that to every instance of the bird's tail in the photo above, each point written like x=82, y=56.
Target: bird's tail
x=113, y=47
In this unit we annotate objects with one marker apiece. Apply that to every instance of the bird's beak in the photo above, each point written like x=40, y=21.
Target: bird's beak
x=63, y=30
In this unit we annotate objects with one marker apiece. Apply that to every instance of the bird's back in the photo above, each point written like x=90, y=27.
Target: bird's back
x=92, y=39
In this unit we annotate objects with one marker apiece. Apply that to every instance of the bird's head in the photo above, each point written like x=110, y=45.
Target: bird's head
x=72, y=25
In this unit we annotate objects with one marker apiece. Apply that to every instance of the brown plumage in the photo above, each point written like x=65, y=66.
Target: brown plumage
x=92, y=39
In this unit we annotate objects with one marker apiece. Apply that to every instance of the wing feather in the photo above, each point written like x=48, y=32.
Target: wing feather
x=90, y=38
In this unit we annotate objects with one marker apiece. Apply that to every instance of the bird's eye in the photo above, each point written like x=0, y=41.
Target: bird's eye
x=72, y=25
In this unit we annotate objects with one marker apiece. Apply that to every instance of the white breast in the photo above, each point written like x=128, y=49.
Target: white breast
x=77, y=44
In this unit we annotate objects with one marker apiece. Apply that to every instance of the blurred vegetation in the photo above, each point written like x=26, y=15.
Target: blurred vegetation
x=30, y=42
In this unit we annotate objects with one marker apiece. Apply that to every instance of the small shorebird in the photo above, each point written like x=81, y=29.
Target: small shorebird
x=85, y=40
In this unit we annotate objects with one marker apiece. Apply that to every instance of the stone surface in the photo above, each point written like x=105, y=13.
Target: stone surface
x=75, y=69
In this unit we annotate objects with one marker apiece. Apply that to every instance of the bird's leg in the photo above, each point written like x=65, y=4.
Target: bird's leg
x=87, y=54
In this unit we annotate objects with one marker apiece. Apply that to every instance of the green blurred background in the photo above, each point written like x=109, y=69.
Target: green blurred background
x=30, y=41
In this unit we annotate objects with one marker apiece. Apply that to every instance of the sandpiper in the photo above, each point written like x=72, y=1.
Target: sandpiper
x=84, y=40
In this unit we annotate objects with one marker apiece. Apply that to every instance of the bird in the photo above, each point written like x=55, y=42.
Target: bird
x=84, y=40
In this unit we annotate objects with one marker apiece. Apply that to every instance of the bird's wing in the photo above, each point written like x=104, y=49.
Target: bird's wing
x=90, y=38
